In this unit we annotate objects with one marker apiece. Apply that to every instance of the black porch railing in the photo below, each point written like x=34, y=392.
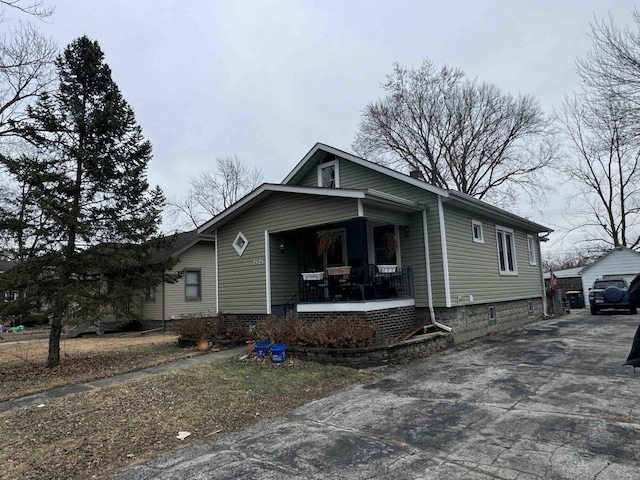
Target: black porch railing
x=368, y=283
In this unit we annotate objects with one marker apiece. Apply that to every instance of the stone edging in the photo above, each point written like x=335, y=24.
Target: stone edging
x=420, y=346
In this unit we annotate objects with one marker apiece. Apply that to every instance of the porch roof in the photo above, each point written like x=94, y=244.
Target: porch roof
x=368, y=196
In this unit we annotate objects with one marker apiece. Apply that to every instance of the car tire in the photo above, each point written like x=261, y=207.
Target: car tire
x=634, y=310
x=594, y=310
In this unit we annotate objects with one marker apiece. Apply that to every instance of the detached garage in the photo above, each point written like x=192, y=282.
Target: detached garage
x=619, y=262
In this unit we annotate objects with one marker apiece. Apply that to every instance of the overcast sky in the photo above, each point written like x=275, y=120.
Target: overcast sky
x=266, y=80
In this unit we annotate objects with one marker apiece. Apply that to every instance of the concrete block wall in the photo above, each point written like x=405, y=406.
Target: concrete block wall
x=473, y=320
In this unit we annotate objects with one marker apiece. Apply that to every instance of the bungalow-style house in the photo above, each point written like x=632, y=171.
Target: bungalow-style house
x=618, y=262
x=194, y=292
x=345, y=236
x=194, y=254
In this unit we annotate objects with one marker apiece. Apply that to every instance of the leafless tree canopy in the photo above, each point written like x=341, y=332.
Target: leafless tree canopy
x=576, y=257
x=601, y=124
x=26, y=70
x=212, y=192
x=35, y=8
x=460, y=134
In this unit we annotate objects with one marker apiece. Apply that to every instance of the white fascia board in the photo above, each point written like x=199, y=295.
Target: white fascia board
x=509, y=217
x=367, y=164
x=392, y=199
x=267, y=188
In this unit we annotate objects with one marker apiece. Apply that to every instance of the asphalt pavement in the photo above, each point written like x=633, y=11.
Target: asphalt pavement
x=547, y=401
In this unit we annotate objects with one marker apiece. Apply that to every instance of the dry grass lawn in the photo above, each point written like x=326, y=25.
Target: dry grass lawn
x=94, y=434
x=23, y=368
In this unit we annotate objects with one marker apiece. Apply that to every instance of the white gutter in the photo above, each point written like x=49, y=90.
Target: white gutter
x=267, y=262
x=445, y=258
x=428, y=266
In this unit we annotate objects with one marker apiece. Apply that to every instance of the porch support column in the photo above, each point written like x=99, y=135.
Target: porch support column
x=217, y=282
x=267, y=268
x=357, y=240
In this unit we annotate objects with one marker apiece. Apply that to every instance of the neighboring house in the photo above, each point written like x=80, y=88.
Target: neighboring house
x=9, y=294
x=421, y=255
x=567, y=280
x=618, y=262
x=195, y=291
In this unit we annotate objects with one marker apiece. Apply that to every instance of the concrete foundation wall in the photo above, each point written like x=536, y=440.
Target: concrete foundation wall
x=472, y=321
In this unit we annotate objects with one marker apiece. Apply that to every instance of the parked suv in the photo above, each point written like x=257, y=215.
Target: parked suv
x=610, y=293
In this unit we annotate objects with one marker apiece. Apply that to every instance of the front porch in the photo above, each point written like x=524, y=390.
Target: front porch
x=351, y=261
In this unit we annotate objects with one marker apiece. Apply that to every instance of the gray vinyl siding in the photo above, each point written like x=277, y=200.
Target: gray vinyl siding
x=284, y=270
x=474, y=268
x=380, y=214
x=311, y=178
x=436, y=257
x=153, y=310
x=242, y=279
x=199, y=257
x=412, y=251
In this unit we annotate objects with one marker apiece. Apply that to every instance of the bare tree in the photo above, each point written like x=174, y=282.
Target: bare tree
x=601, y=124
x=573, y=258
x=212, y=192
x=35, y=8
x=26, y=71
x=460, y=134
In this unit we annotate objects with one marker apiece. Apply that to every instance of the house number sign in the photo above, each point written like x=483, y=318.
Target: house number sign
x=258, y=261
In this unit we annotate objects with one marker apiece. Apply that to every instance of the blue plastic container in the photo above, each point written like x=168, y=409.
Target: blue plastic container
x=277, y=353
x=262, y=348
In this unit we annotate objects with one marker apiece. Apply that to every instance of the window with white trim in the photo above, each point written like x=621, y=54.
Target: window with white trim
x=240, y=243
x=506, y=251
x=476, y=229
x=531, y=245
x=192, y=285
x=329, y=175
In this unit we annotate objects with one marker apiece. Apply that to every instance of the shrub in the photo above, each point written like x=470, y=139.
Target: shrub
x=232, y=329
x=199, y=328
x=275, y=329
x=212, y=329
x=341, y=332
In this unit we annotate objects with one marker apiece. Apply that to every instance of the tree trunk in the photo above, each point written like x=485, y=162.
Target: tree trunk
x=53, y=359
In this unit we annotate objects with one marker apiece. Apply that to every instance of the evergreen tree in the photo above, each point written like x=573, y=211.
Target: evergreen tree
x=87, y=226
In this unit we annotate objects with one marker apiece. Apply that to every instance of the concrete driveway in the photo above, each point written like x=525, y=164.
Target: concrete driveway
x=549, y=401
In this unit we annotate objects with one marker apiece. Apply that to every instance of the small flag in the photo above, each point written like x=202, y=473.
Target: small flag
x=552, y=282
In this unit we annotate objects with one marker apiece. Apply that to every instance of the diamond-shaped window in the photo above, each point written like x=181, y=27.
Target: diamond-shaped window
x=240, y=243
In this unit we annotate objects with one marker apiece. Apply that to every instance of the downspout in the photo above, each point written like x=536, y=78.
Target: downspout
x=427, y=260
x=445, y=256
